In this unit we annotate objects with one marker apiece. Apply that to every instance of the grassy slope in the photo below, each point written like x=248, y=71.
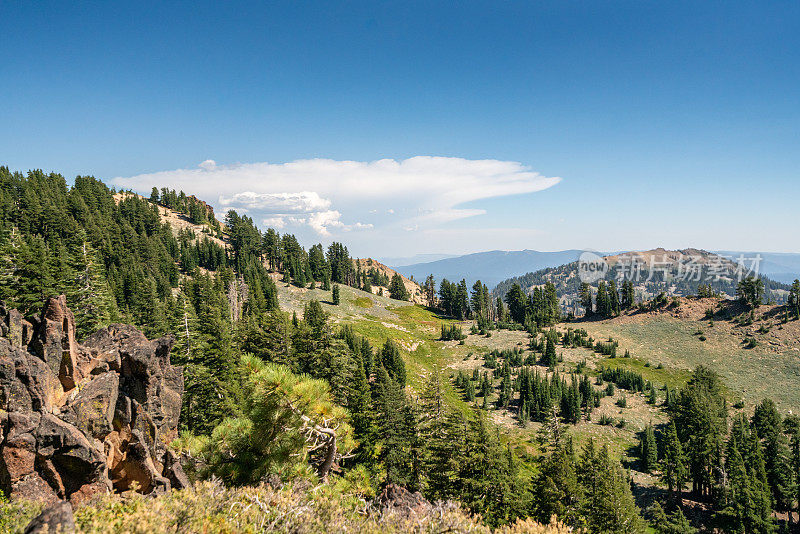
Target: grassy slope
x=771, y=369
x=417, y=329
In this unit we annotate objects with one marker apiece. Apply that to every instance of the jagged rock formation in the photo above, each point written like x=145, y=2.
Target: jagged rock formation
x=81, y=419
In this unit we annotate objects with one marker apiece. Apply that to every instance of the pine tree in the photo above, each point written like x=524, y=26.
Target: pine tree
x=287, y=420
x=397, y=288
x=673, y=463
x=609, y=505
x=438, y=428
x=613, y=303
x=674, y=523
x=793, y=302
x=653, y=398
x=628, y=296
x=335, y=295
x=751, y=291
x=550, y=358
x=768, y=426
x=700, y=414
x=603, y=302
x=586, y=298
x=396, y=423
x=556, y=486
x=91, y=299
x=430, y=290
x=393, y=362
x=648, y=451
x=515, y=299
x=745, y=503
x=10, y=243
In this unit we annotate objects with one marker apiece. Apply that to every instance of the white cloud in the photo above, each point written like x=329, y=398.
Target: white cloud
x=302, y=202
x=279, y=223
x=328, y=196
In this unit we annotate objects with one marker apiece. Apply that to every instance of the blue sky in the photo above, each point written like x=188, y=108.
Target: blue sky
x=669, y=124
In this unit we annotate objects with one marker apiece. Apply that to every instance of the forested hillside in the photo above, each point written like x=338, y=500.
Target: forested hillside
x=496, y=404
x=266, y=393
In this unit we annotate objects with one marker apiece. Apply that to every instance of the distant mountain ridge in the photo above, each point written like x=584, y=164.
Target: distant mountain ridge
x=779, y=266
x=674, y=272
x=493, y=267
x=490, y=267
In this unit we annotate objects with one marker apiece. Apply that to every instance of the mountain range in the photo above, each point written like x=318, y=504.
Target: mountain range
x=491, y=267
x=494, y=266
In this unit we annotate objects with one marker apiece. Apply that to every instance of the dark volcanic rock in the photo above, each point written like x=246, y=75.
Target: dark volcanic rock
x=57, y=517
x=399, y=497
x=81, y=419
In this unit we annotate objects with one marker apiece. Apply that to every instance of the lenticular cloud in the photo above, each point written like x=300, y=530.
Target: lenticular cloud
x=328, y=195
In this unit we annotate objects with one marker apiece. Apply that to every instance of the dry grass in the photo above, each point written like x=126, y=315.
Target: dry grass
x=770, y=369
x=211, y=508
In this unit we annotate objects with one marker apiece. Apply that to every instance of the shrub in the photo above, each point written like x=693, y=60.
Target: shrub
x=622, y=402
x=452, y=333
x=14, y=515
x=336, y=507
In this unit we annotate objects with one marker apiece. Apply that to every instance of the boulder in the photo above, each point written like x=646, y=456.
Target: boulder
x=78, y=420
x=399, y=497
x=94, y=405
x=173, y=470
x=57, y=517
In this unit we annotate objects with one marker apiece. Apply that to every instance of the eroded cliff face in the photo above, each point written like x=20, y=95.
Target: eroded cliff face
x=81, y=419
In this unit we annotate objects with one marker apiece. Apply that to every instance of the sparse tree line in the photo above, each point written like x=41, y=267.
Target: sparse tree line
x=533, y=396
x=570, y=287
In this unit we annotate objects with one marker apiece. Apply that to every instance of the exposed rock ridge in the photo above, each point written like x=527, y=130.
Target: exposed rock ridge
x=81, y=419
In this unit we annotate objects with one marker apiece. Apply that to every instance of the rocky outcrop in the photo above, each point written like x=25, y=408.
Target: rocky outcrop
x=81, y=419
